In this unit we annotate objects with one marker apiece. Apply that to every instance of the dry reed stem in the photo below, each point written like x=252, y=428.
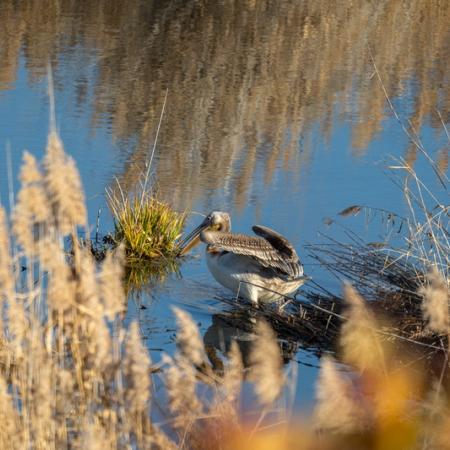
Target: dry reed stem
x=224, y=407
x=266, y=364
x=11, y=434
x=435, y=302
x=43, y=392
x=138, y=385
x=358, y=339
x=64, y=186
x=6, y=266
x=234, y=372
x=161, y=441
x=335, y=410
x=137, y=372
x=188, y=338
x=95, y=437
x=32, y=208
x=111, y=286
x=18, y=325
x=181, y=391
x=62, y=286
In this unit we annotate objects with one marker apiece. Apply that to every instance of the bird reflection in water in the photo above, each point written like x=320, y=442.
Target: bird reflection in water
x=227, y=328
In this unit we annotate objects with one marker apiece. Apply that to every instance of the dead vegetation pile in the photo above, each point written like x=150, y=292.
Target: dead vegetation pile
x=393, y=287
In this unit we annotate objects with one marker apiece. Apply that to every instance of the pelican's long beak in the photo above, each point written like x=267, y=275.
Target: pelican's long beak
x=193, y=238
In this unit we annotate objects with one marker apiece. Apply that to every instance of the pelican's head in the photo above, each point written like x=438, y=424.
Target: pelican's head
x=215, y=221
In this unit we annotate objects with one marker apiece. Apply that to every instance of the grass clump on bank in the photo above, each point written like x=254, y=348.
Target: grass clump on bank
x=147, y=227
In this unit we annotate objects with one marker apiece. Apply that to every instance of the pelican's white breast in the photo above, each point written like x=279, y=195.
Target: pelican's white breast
x=235, y=272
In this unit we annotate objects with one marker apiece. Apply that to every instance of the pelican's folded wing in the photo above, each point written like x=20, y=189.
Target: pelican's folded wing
x=283, y=246
x=277, y=241
x=261, y=249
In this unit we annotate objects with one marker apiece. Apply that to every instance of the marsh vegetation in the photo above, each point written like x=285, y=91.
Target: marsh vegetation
x=281, y=113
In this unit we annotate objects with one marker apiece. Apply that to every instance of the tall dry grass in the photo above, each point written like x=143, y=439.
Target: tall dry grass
x=71, y=374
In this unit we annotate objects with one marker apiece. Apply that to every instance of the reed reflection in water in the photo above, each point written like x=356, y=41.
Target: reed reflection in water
x=246, y=80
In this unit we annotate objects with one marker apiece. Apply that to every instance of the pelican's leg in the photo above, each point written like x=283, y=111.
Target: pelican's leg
x=254, y=295
x=248, y=292
x=243, y=292
x=253, y=312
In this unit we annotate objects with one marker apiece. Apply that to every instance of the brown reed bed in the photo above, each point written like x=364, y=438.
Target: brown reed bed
x=390, y=284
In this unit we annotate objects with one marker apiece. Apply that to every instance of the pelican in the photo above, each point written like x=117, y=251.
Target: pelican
x=262, y=268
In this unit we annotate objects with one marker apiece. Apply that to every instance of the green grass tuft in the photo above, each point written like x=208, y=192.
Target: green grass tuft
x=148, y=227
